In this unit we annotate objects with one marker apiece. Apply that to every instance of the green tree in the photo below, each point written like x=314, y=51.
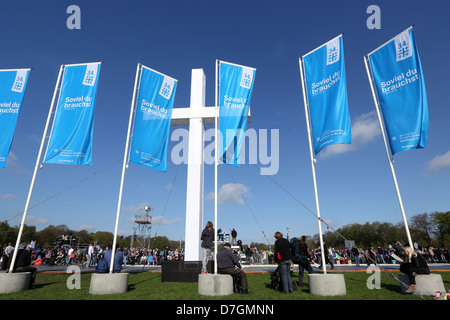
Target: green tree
x=47, y=236
x=441, y=221
x=103, y=239
x=159, y=242
x=7, y=233
x=423, y=224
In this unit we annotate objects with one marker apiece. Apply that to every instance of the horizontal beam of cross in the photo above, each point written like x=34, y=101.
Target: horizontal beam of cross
x=181, y=116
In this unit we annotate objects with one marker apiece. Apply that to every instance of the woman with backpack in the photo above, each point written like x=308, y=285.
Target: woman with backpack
x=301, y=257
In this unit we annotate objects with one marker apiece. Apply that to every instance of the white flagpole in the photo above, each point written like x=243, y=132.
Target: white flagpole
x=216, y=165
x=36, y=167
x=313, y=160
x=124, y=166
x=386, y=144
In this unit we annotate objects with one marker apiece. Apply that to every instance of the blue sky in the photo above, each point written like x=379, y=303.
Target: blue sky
x=355, y=184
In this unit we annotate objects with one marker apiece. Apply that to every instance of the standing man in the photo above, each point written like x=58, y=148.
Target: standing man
x=283, y=257
x=125, y=257
x=327, y=255
x=227, y=263
x=355, y=253
x=9, y=250
x=233, y=237
x=90, y=255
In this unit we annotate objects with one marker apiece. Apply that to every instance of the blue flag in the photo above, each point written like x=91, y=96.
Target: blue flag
x=401, y=93
x=12, y=90
x=236, y=86
x=152, y=120
x=71, y=137
x=327, y=95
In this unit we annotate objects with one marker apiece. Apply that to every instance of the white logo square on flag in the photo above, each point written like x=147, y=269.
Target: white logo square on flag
x=403, y=48
x=91, y=74
x=19, y=82
x=333, y=51
x=167, y=87
x=246, y=78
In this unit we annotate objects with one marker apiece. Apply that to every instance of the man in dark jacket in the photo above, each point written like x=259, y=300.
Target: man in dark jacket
x=23, y=263
x=283, y=257
x=233, y=236
x=118, y=259
x=227, y=263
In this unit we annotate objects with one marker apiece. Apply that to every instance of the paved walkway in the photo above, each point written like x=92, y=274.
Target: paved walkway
x=442, y=267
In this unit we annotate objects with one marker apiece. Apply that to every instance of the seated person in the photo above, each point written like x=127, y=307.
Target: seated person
x=102, y=265
x=227, y=263
x=118, y=259
x=23, y=263
x=37, y=262
x=413, y=265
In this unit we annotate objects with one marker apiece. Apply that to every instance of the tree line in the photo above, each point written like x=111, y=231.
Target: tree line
x=426, y=229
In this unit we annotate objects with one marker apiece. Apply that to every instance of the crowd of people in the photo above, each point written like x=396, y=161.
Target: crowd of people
x=353, y=255
x=89, y=256
x=371, y=254
x=66, y=255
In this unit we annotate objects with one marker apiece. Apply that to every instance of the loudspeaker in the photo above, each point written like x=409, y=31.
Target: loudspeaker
x=183, y=271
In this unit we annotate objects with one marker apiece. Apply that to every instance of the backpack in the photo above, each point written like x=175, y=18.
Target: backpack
x=296, y=252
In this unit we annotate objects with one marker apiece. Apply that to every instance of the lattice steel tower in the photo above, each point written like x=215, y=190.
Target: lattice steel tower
x=142, y=230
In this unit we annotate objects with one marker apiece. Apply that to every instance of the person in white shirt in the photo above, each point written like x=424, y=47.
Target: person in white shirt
x=90, y=254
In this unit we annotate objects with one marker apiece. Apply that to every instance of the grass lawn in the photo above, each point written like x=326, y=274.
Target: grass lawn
x=148, y=286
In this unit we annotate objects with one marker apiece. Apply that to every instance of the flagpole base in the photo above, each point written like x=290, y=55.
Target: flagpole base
x=14, y=282
x=215, y=284
x=327, y=284
x=109, y=283
x=426, y=284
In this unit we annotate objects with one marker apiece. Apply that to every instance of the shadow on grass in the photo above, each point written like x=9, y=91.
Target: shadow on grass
x=43, y=285
x=133, y=286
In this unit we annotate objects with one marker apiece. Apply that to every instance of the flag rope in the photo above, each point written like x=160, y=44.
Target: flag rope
x=339, y=234
x=65, y=189
x=248, y=206
x=165, y=205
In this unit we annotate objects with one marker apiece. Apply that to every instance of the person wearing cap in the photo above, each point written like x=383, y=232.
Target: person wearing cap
x=227, y=263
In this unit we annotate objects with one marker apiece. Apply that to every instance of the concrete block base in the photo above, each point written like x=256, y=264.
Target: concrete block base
x=426, y=284
x=108, y=283
x=14, y=282
x=215, y=284
x=327, y=284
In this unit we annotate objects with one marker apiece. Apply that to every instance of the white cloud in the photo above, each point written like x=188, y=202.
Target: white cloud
x=365, y=129
x=12, y=160
x=438, y=163
x=7, y=196
x=160, y=220
x=230, y=193
x=89, y=228
x=31, y=220
x=169, y=186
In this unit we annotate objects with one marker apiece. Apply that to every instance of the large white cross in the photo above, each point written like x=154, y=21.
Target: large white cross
x=197, y=116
